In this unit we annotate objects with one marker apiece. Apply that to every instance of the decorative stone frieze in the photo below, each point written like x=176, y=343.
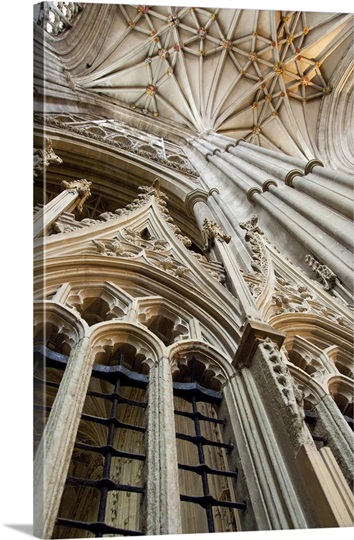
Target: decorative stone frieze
x=108, y=135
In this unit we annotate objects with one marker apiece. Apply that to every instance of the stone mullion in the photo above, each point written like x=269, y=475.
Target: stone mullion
x=236, y=281
x=163, y=502
x=223, y=253
x=54, y=453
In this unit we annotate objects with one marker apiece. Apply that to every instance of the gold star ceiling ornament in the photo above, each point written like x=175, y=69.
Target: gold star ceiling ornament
x=212, y=65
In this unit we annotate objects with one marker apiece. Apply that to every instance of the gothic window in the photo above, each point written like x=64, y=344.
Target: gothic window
x=105, y=485
x=49, y=367
x=207, y=484
x=51, y=350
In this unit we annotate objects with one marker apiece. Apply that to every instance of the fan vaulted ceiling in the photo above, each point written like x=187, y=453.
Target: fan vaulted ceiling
x=259, y=75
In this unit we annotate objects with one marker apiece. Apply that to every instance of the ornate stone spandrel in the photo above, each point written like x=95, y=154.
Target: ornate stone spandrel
x=43, y=157
x=82, y=187
x=212, y=231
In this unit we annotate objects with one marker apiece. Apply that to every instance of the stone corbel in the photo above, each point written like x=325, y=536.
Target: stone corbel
x=82, y=187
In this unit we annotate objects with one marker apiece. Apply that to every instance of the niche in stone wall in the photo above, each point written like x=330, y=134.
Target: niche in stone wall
x=342, y=391
x=167, y=324
x=99, y=303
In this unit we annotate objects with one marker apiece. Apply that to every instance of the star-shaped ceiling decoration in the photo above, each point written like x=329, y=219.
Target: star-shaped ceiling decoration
x=237, y=72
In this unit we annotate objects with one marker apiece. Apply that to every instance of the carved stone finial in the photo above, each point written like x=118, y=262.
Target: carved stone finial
x=323, y=273
x=211, y=231
x=43, y=157
x=251, y=227
x=82, y=187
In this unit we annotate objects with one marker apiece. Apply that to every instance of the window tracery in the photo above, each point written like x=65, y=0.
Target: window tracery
x=56, y=17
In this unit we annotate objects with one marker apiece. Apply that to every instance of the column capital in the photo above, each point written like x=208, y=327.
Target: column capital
x=255, y=333
x=310, y=165
x=291, y=175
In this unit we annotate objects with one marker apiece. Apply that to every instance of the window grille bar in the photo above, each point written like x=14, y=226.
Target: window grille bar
x=127, y=377
x=104, y=450
x=311, y=419
x=193, y=392
x=98, y=529
x=199, y=469
x=200, y=416
x=103, y=483
x=209, y=501
x=121, y=399
x=45, y=382
x=199, y=439
x=39, y=407
x=108, y=458
x=112, y=422
x=58, y=359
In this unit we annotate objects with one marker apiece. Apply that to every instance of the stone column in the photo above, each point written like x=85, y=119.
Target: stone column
x=249, y=396
x=163, y=501
x=54, y=453
x=331, y=425
x=73, y=197
x=341, y=202
x=326, y=250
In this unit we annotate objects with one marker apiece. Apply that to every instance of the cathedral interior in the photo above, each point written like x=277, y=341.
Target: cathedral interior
x=192, y=270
